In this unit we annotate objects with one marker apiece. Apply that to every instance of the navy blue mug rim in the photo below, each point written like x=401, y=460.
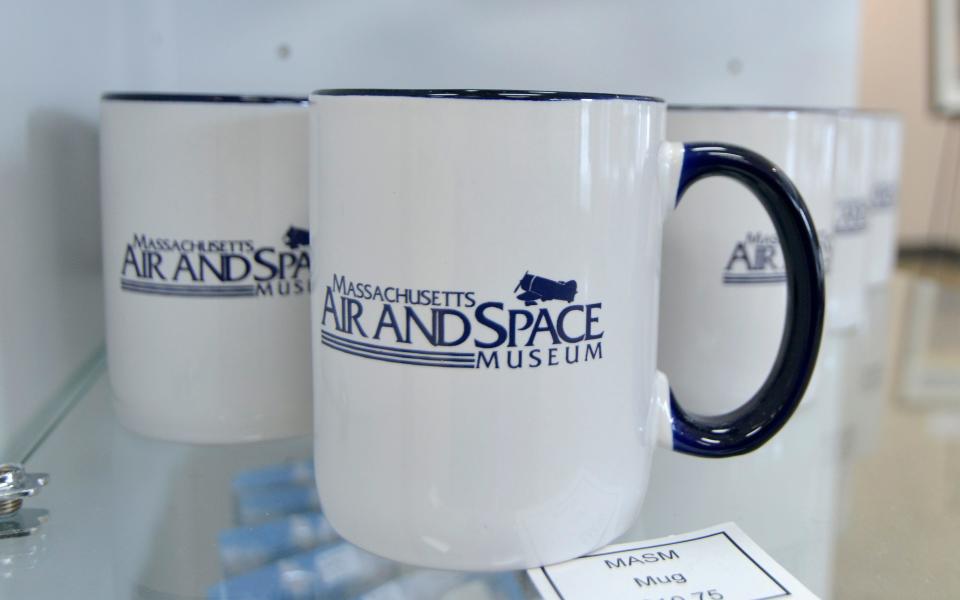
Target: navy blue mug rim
x=207, y=98
x=485, y=94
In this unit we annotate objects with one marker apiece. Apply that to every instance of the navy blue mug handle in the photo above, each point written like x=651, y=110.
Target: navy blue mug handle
x=752, y=424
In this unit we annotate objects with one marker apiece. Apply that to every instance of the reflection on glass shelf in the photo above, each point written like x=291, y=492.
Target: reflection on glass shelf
x=858, y=476
x=931, y=361
x=285, y=548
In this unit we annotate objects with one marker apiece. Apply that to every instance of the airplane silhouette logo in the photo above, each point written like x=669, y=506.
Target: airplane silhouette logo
x=540, y=289
x=296, y=237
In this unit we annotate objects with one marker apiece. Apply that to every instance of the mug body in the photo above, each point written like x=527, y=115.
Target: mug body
x=484, y=320
x=882, y=212
x=846, y=305
x=206, y=265
x=724, y=281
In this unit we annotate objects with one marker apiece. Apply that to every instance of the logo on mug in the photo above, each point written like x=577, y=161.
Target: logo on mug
x=755, y=259
x=851, y=217
x=542, y=289
x=296, y=237
x=216, y=268
x=454, y=329
x=884, y=195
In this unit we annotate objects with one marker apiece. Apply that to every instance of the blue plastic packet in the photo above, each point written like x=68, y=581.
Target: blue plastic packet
x=246, y=548
x=498, y=586
x=423, y=584
x=428, y=584
x=337, y=571
x=299, y=472
x=506, y=586
x=257, y=505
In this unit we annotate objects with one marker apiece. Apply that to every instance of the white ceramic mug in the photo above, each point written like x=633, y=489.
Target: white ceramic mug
x=723, y=288
x=206, y=264
x=847, y=306
x=485, y=318
x=882, y=211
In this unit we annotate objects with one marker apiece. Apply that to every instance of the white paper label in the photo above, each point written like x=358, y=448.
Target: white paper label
x=717, y=563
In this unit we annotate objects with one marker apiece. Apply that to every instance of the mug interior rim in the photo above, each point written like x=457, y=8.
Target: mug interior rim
x=207, y=98
x=838, y=111
x=484, y=94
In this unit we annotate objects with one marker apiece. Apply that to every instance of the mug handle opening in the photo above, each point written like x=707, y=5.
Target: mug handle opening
x=748, y=427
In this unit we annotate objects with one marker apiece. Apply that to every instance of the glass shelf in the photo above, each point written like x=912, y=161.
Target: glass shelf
x=859, y=496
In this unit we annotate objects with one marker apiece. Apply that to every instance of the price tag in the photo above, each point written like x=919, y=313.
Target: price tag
x=717, y=563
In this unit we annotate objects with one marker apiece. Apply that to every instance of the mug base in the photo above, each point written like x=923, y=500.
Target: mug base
x=502, y=561
x=184, y=429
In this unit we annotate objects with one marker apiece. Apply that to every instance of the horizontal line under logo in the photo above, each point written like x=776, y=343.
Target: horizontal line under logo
x=425, y=353
x=200, y=291
x=751, y=278
x=422, y=363
x=426, y=358
x=850, y=229
x=340, y=345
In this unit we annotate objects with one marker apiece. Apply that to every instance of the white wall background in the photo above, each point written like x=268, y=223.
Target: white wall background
x=788, y=51
x=53, y=59
x=57, y=57
x=897, y=76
